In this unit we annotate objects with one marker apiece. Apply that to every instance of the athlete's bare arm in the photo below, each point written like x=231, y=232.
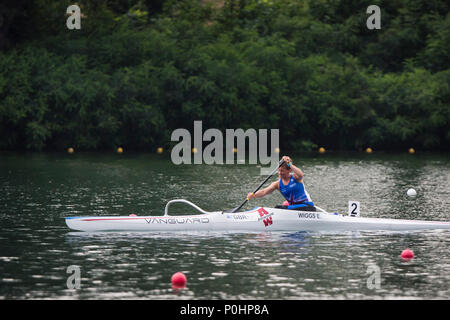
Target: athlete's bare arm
x=261, y=193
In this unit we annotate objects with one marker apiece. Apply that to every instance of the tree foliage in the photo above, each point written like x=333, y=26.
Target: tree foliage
x=137, y=70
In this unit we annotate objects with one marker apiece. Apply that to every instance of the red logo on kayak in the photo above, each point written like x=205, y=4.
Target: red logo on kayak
x=265, y=216
x=267, y=221
x=262, y=212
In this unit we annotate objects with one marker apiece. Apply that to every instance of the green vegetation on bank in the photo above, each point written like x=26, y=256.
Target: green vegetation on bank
x=137, y=70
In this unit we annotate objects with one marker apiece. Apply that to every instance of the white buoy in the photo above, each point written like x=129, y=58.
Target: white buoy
x=411, y=192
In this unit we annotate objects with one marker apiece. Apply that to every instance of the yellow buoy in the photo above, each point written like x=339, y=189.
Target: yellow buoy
x=277, y=150
x=369, y=150
x=411, y=151
x=321, y=150
x=194, y=150
x=159, y=150
x=70, y=150
x=119, y=150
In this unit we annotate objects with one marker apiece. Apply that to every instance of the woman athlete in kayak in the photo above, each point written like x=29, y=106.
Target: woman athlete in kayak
x=290, y=185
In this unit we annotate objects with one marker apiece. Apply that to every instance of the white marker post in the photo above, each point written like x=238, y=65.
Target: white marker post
x=353, y=208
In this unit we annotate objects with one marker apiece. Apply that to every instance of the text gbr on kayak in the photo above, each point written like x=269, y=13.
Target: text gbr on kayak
x=213, y=153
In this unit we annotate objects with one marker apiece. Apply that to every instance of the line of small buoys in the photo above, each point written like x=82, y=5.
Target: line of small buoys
x=120, y=150
x=235, y=150
x=160, y=150
x=368, y=150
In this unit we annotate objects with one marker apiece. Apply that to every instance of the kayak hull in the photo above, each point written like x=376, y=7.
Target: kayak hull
x=257, y=219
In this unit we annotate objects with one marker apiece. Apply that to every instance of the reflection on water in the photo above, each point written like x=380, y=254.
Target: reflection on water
x=36, y=248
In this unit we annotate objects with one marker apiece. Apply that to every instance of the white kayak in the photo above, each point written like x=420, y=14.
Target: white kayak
x=256, y=219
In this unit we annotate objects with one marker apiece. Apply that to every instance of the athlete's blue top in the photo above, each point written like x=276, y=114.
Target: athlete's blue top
x=295, y=193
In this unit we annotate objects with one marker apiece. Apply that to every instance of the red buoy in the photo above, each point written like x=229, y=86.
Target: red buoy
x=407, y=254
x=178, y=280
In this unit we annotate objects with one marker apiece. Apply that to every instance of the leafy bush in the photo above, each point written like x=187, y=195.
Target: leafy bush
x=137, y=70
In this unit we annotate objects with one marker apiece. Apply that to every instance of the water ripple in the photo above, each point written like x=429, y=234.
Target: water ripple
x=36, y=248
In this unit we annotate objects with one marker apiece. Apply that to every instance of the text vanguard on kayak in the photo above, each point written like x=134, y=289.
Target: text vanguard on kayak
x=213, y=153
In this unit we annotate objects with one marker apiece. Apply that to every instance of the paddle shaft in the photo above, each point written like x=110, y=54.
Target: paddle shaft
x=262, y=183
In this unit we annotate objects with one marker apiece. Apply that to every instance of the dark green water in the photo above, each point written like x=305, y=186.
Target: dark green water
x=36, y=248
